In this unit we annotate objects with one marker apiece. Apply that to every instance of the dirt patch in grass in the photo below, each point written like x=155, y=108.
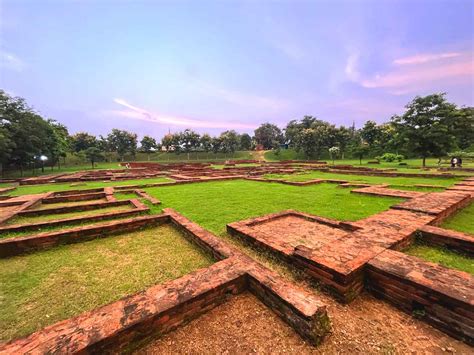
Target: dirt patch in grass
x=463, y=221
x=443, y=257
x=42, y=288
x=244, y=325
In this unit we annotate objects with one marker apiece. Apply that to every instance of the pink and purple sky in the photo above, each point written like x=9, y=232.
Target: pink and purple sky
x=154, y=66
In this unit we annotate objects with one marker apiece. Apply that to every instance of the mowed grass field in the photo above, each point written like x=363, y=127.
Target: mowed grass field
x=42, y=288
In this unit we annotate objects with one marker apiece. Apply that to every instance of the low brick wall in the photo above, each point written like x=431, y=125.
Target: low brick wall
x=75, y=197
x=123, y=325
x=70, y=221
x=68, y=209
x=450, y=239
x=19, y=245
x=443, y=297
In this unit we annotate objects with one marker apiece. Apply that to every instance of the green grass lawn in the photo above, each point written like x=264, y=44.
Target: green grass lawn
x=37, y=189
x=366, y=179
x=42, y=288
x=443, y=257
x=214, y=204
x=463, y=221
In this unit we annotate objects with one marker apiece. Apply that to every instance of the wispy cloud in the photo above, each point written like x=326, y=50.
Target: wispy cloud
x=139, y=113
x=411, y=74
x=424, y=58
x=11, y=61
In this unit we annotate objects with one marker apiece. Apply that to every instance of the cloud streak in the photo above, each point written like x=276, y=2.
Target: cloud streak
x=420, y=72
x=139, y=113
x=425, y=58
x=11, y=61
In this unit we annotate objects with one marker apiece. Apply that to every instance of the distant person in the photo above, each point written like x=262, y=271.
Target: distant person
x=453, y=163
x=459, y=162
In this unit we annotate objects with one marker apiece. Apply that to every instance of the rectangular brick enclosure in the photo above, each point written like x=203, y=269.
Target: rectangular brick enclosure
x=121, y=325
x=346, y=257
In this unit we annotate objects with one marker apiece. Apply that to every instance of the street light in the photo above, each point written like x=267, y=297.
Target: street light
x=43, y=158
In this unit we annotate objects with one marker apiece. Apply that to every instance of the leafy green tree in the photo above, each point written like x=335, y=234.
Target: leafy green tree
x=59, y=142
x=343, y=137
x=25, y=132
x=189, y=140
x=426, y=128
x=93, y=154
x=206, y=143
x=82, y=140
x=123, y=142
x=245, y=142
x=370, y=133
x=267, y=134
x=216, y=144
x=360, y=151
x=148, y=145
x=229, y=141
x=464, y=127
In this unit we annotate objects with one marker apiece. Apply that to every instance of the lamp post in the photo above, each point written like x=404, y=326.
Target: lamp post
x=43, y=158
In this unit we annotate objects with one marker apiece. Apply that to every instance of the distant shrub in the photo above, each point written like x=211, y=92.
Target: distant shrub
x=462, y=154
x=391, y=157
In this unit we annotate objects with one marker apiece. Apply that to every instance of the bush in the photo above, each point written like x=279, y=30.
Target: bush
x=391, y=157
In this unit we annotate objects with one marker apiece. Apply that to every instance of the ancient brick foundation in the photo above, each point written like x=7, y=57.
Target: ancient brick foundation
x=118, y=326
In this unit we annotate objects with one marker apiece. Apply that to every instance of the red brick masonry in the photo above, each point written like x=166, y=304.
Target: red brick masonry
x=161, y=308
x=338, y=254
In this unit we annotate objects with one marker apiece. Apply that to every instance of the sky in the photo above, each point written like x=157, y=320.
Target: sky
x=157, y=66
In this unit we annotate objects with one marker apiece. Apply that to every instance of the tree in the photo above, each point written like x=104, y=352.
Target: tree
x=189, y=140
x=426, y=128
x=167, y=141
x=370, y=133
x=334, y=152
x=58, y=142
x=82, y=140
x=343, y=137
x=93, y=154
x=229, y=141
x=216, y=144
x=148, y=145
x=464, y=127
x=360, y=151
x=267, y=134
x=122, y=142
x=206, y=143
x=245, y=142
x=25, y=133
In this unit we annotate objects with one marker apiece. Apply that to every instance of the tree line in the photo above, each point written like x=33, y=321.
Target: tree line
x=430, y=127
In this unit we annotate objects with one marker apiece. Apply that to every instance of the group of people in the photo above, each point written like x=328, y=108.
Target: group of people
x=455, y=161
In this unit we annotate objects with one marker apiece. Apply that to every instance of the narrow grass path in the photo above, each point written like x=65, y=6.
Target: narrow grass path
x=42, y=288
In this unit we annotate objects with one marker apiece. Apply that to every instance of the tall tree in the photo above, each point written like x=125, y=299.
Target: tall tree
x=82, y=140
x=245, y=142
x=426, y=127
x=189, y=140
x=206, y=143
x=267, y=134
x=464, y=127
x=93, y=154
x=229, y=141
x=123, y=142
x=148, y=145
x=58, y=142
